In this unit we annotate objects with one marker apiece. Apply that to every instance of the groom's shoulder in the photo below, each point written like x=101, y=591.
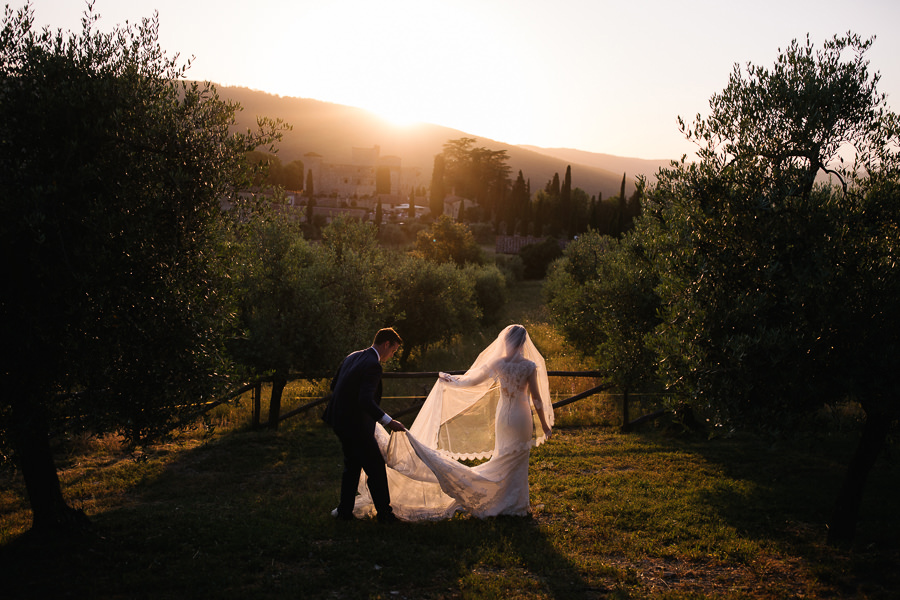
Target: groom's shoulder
x=363, y=356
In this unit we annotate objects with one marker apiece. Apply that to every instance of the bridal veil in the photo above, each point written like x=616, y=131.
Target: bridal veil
x=457, y=421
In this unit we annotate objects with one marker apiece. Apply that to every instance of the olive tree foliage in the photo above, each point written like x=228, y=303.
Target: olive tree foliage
x=490, y=291
x=537, y=258
x=112, y=170
x=774, y=291
x=754, y=258
x=446, y=241
x=302, y=305
x=271, y=172
x=357, y=283
x=283, y=310
x=430, y=303
x=601, y=295
x=800, y=119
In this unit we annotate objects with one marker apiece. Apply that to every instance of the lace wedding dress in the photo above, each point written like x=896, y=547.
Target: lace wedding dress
x=484, y=414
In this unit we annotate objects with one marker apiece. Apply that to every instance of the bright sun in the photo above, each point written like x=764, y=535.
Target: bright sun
x=397, y=116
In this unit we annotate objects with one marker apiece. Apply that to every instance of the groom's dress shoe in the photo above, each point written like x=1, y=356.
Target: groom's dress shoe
x=388, y=519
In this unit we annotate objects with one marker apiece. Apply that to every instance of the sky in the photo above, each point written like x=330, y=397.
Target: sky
x=607, y=76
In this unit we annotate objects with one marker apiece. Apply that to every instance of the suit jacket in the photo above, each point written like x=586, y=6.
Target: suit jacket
x=356, y=393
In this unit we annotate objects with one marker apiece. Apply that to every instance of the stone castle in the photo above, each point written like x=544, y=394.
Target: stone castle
x=357, y=181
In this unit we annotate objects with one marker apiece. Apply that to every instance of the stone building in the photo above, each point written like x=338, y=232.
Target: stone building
x=357, y=180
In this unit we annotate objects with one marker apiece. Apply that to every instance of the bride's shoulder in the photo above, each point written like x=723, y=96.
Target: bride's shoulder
x=518, y=364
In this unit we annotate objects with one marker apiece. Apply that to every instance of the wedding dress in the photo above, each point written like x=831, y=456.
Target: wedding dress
x=484, y=414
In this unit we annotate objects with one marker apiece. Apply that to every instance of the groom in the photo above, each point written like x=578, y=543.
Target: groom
x=352, y=413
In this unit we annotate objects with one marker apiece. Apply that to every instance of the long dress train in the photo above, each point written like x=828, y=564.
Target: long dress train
x=485, y=414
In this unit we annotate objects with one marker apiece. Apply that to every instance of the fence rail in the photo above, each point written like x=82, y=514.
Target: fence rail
x=419, y=400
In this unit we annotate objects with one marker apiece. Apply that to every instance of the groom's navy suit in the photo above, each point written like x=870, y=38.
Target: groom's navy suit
x=352, y=412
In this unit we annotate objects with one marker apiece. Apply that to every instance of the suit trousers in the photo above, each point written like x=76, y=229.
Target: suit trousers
x=361, y=453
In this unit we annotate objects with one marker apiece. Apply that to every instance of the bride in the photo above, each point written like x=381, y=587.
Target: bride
x=484, y=414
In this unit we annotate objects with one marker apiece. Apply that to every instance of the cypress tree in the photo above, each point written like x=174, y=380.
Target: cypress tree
x=383, y=180
x=528, y=215
x=620, y=220
x=565, y=203
x=438, y=189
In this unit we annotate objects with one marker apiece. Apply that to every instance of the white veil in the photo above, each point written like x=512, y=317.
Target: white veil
x=458, y=421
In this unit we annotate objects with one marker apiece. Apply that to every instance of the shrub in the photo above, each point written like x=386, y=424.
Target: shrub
x=430, y=302
x=483, y=232
x=393, y=235
x=447, y=241
x=511, y=266
x=537, y=257
x=490, y=291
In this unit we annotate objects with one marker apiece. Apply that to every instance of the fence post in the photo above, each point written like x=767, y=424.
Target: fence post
x=257, y=405
x=625, y=417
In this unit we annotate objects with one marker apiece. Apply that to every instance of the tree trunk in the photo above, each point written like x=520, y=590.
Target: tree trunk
x=844, y=517
x=404, y=355
x=278, y=384
x=257, y=405
x=31, y=439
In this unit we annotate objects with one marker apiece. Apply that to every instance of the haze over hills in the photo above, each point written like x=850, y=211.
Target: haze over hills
x=609, y=162
x=332, y=130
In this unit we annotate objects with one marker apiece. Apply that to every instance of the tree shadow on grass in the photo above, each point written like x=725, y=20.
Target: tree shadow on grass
x=463, y=557
x=248, y=516
x=782, y=492
x=214, y=522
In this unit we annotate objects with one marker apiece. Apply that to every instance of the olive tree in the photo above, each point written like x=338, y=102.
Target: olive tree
x=601, y=296
x=282, y=305
x=750, y=282
x=429, y=302
x=112, y=172
x=303, y=305
x=774, y=289
x=446, y=241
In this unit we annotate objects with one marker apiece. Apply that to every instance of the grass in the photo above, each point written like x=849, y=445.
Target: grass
x=653, y=514
x=648, y=515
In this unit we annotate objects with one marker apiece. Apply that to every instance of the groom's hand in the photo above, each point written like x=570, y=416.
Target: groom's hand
x=396, y=425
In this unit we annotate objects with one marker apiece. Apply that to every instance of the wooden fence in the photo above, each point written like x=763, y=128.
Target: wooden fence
x=627, y=424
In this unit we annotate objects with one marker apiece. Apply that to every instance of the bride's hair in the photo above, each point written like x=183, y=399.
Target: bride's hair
x=515, y=337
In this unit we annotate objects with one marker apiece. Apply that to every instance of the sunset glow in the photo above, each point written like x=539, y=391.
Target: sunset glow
x=597, y=76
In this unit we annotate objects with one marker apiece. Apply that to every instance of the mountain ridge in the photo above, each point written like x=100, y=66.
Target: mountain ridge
x=333, y=130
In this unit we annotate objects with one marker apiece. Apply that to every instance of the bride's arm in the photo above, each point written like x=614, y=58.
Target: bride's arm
x=538, y=402
x=467, y=379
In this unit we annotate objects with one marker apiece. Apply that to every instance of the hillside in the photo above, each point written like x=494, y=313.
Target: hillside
x=609, y=162
x=332, y=130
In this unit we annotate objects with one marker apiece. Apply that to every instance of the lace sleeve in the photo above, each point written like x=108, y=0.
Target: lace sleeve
x=469, y=378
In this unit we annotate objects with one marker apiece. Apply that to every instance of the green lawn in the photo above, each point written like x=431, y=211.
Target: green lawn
x=646, y=515
x=657, y=513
